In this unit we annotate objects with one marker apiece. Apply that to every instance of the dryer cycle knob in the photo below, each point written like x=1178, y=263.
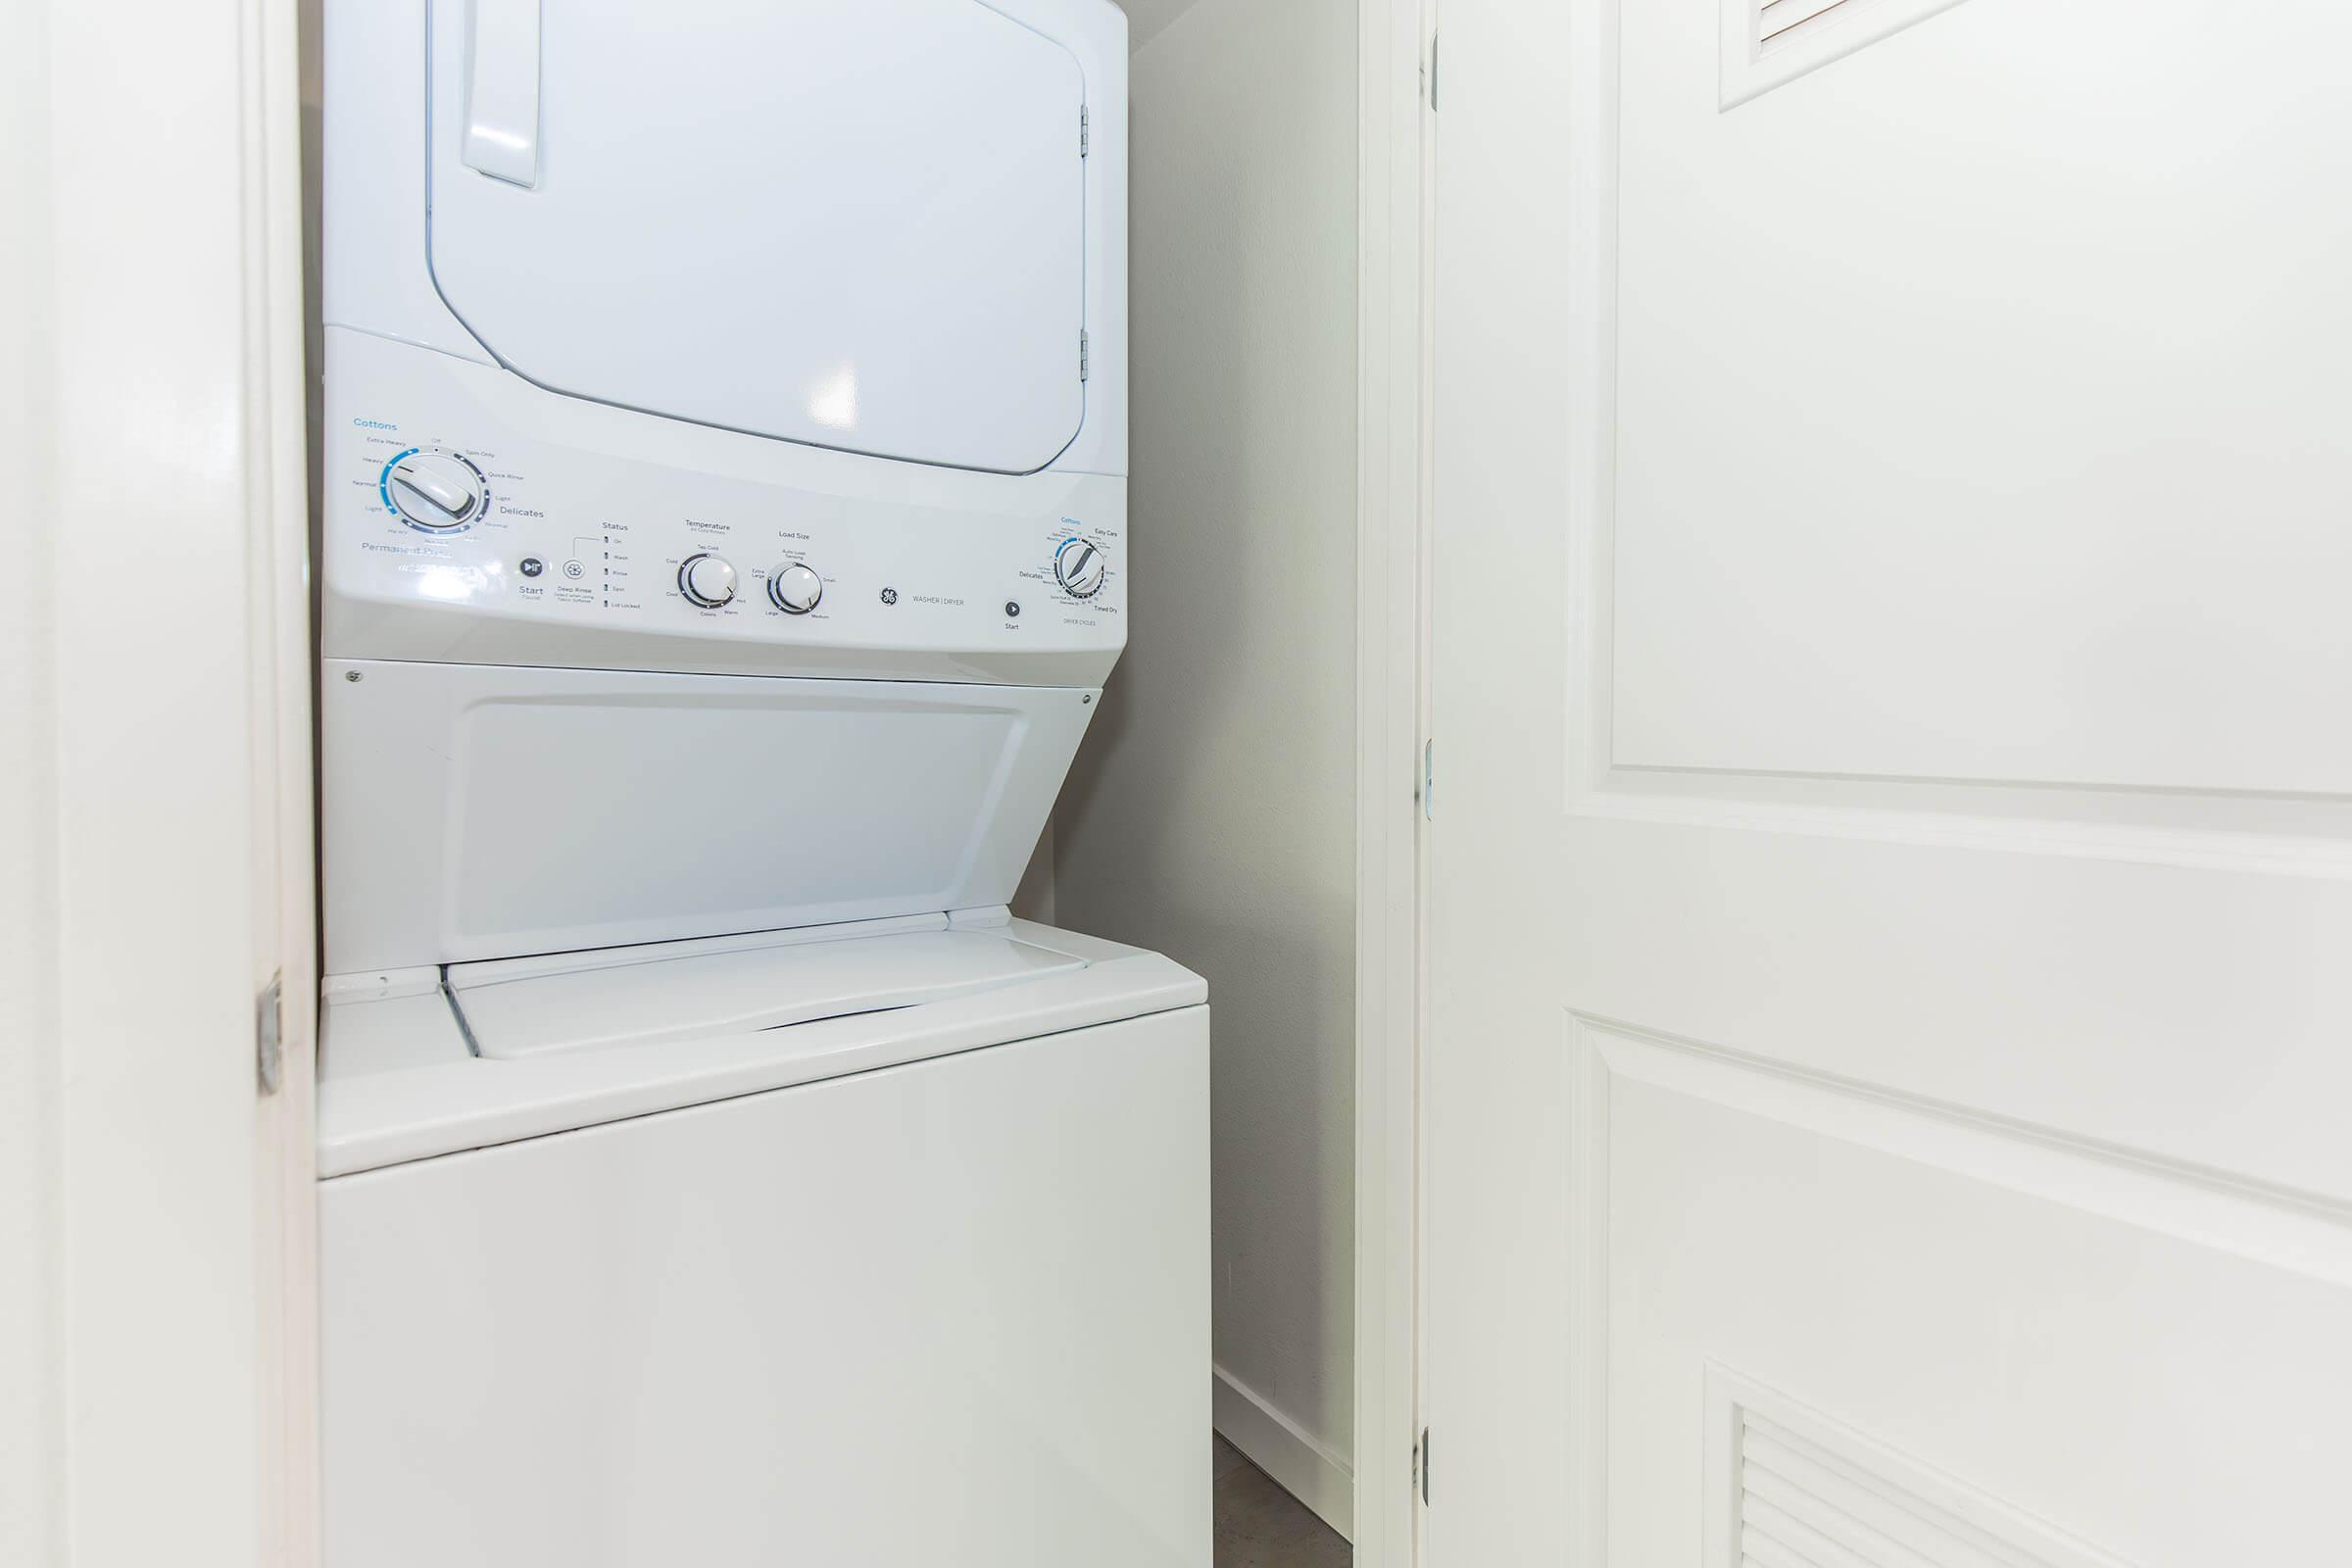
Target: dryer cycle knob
x=1078, y=566
x=707, y=580
x=795, y=589
x=432, y=490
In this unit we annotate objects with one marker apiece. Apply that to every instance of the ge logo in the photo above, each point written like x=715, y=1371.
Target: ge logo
x=890, y=596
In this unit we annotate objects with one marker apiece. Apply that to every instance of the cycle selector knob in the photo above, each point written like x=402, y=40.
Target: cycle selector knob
x=1078, y=566
x=795, y=589
x=707, y=580
x=435, y=491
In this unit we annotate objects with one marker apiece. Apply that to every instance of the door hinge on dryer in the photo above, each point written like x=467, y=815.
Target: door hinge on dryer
x=1085, y=131
x=1082, y=343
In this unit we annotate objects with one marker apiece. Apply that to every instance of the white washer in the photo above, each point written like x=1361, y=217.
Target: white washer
x=724, y=546
x=663, y=1275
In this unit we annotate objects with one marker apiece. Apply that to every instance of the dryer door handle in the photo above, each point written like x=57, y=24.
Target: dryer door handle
x=502, y=91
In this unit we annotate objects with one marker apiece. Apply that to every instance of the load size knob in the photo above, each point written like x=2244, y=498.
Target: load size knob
x=795, y=589
x=707, y=580
x=434, y=491
x=1078, y=566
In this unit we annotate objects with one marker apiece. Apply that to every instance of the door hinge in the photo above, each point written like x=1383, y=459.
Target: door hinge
x=1429, y=74
x=1082, y=349
x=1427, y=794
x=270, y=1034
x=1421, y=1467
x=1086, y=134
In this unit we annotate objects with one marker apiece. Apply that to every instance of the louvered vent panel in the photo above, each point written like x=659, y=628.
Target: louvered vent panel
x=1776, y=18
x=1802, y=1507
x=1769, y=43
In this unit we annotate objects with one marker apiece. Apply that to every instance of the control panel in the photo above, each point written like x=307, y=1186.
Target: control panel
x=461, y=525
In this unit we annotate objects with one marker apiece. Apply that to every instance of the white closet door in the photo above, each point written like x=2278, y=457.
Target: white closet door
x=1892, y=959
x=856, y=223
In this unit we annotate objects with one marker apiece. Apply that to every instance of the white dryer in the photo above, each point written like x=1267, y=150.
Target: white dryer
x=724, y=546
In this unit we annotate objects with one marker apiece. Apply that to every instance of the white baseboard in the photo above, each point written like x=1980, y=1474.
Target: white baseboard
x=1275, y=1444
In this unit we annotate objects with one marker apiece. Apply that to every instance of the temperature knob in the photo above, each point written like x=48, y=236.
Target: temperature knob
x=795, y=589
x=709, y=581
x=1078, y=567
x=434, y=490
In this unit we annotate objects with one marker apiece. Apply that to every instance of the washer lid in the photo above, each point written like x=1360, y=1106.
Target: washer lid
x=734, y=985
x=397, y=1082
x=856, y=223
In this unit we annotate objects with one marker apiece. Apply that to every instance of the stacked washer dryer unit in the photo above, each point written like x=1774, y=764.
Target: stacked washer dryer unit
x=724, y=548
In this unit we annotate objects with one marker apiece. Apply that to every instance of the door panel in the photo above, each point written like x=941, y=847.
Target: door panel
x=1978, y=1310
x=1894, y=860
x=1981, y=392
x=671, y=194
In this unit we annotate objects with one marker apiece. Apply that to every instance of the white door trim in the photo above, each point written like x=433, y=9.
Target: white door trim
x=160, y=783
x=282, y=657
x=1390, y=633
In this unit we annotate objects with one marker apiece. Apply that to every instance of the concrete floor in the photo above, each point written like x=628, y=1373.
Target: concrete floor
x=1261, y=1525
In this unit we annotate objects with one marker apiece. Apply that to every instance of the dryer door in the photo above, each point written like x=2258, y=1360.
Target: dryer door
x=856, y=223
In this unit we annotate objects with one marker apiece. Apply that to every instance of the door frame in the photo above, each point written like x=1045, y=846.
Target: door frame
x=1392, y=642
x=160, y=788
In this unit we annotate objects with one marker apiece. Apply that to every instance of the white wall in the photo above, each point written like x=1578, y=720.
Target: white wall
x=1211, y=812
